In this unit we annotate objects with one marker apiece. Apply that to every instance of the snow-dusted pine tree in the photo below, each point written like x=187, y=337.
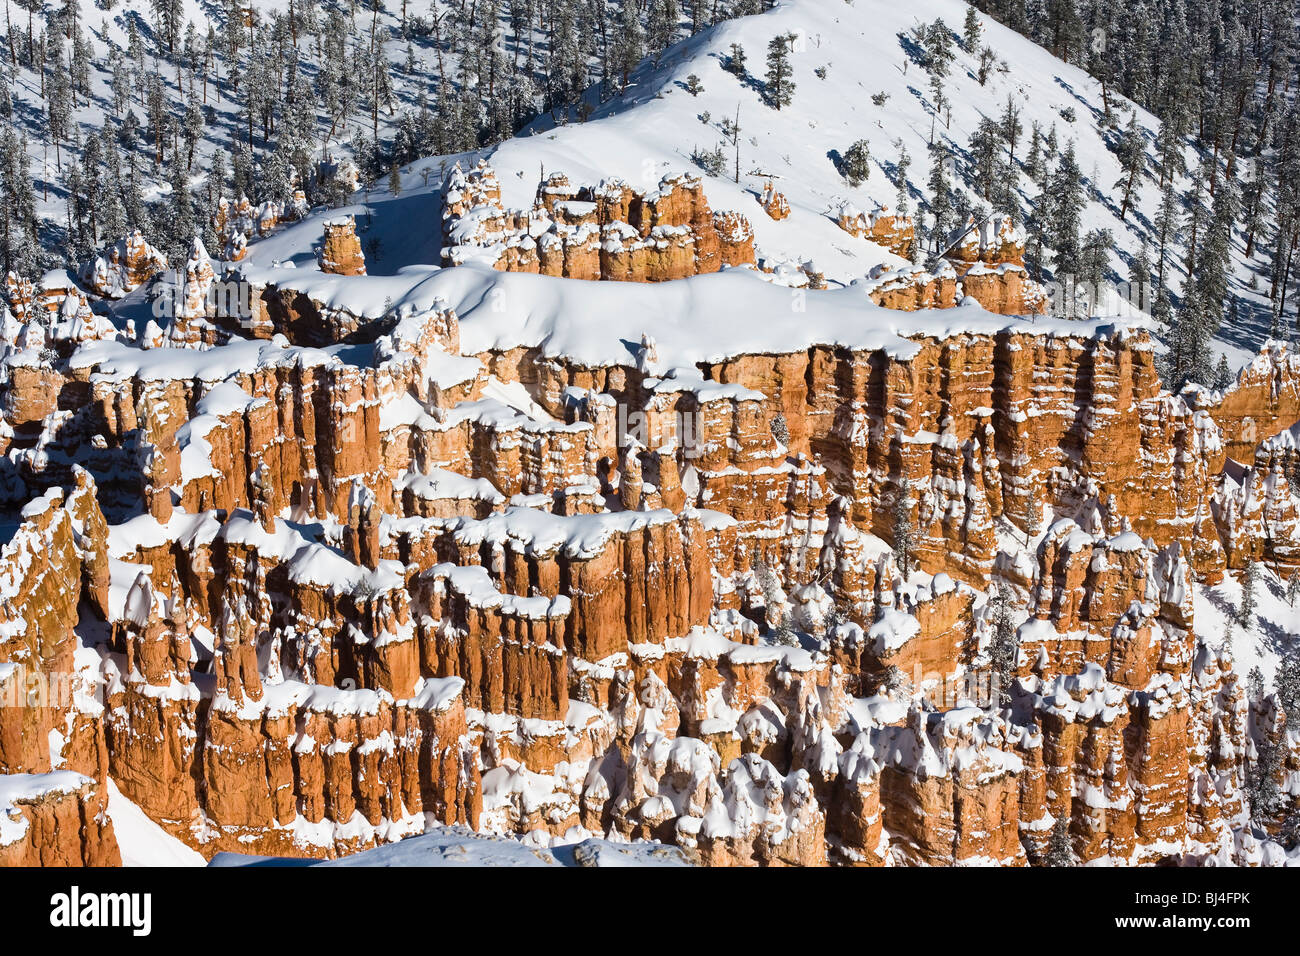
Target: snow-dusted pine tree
x=1067, y=210
x=856, y=164
x=1004, y=646
x=904, y=539
x=1060, y=852
x=780, y=84
x=1249, y=580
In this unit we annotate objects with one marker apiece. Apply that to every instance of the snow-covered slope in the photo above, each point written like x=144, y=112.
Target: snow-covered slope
x=861, y=46
x=848, y=55
x=459, y=846
x=142, y=841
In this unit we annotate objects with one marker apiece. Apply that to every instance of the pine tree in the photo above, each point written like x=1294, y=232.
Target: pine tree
x=18, y=226
x=987, y=59
x=112, y=213
x=192, y=128
x=904, y=530
x=121, y=85
x=1094, y=259
x=986, y=155
x=78, y=243
x=937, y=97
x=1287, y=683
x=1063, y=29
x=1139, y=280
x=58, y=111
x=1007, y=194
x=395, y=180
x=1256, y=197
x=135, y=47
x=1254, y=685
x=1060, y=852
x=941, y=207
x=1004, y=645
x=169, y=16
x=856, y=164
x=1197, y=215
x=276, y=184
x=780, y=429
x=661, y=25
x=736, y=61
x=1223, y=376
x=180, y=212
x=1132, y=158
x=971, y=30
x=780, y=85
x=1293, y=588
x=1249, y=577
x=901, y=167
x=1166, y=224
x=1067, y=211
x=938, y=49
x=241, y=166
x=1213, y=268
x=628, y=46
x=79, y=66
x=214, y=188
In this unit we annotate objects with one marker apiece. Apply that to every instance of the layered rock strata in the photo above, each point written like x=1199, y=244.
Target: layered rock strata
x=311, y=597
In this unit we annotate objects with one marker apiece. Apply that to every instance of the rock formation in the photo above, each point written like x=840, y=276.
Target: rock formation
x=302, y=600
x=340, y=251
x=895, y=232
x=127, y=264
x=773, y=202
x=607, y=232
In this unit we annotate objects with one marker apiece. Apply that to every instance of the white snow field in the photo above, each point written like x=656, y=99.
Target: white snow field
x=654, y=127
x=460, y=846
x=141, y=841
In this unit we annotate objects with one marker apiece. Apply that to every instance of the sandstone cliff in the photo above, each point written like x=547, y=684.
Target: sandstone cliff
x=315, y=598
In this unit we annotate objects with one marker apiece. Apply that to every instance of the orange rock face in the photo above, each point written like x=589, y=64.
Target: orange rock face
x=895, y=232
x=127, y=264
x=53, y=753
x=340, y=252
x=774, y=203
x=608, y=232
x=55, y=819
x=758, y=608
x=989, y=257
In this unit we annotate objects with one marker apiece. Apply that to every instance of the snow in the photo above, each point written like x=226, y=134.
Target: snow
x=141, y=841
x=894, y=629
x=1274, y=627
x=460, y=846
x=541, y=532
x=693, y=320
x=439, y=483
x=652, y=131
x=655, y=126
x=116, y=361
x=280, y=699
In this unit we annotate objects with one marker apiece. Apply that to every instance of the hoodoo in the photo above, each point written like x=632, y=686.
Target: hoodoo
x=852, y=435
